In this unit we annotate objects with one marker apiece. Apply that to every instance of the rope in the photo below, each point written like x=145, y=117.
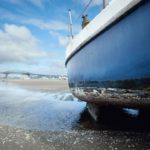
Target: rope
x=86, y=7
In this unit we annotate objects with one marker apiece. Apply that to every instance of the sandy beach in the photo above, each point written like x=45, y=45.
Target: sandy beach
x=42, y=85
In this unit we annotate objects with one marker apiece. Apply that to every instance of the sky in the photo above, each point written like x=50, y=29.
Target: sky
x=34, y=33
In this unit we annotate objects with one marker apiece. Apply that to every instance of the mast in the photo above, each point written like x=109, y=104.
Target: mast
x=70, y=23
x=105, y=3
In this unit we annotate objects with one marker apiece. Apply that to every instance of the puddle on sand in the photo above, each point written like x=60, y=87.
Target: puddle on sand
x=38, y=110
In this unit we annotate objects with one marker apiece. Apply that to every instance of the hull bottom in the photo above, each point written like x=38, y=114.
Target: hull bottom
x=136, y=93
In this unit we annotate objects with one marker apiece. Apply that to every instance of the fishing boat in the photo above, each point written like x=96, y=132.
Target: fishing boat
x=108, y=62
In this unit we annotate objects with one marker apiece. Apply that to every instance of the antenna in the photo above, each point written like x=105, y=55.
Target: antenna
x=70, y=24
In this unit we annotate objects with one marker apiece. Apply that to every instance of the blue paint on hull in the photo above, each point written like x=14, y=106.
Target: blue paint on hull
x=120, y=53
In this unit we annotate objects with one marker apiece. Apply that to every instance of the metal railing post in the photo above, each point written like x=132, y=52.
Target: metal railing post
x=105, y=3
x=70, y=24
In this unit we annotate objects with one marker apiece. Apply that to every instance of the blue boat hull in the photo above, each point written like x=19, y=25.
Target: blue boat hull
x=114, y=67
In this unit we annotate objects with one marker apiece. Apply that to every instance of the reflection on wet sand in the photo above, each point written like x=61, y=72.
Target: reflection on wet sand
x=38, y=110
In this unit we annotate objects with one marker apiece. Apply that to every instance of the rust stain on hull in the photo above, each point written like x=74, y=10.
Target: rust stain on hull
x=122, y=93
x=113, y=96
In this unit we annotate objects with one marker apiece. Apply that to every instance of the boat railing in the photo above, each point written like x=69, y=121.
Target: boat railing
x=105, y=3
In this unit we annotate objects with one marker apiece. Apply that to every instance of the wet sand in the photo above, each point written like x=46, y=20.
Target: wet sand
x=42, y=85
x=33, y=125
x=18, y=139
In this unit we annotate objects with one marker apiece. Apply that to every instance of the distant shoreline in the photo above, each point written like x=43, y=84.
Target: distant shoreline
x=38, y=84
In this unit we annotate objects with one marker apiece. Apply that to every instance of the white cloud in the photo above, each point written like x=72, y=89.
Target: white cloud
x=39, y=3
x=54, y=28
x=63, y=40
x=19, y=45
x=51, y=25
x=97, y=2
x=5, y=14
x=54, y=25
x=14, y=1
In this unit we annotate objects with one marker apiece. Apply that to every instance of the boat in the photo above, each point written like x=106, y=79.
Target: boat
x=108, y=62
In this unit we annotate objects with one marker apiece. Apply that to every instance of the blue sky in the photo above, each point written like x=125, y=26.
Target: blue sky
x=34, y=33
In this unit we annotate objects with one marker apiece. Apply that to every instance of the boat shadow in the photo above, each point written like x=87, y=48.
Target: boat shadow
x=112, y=118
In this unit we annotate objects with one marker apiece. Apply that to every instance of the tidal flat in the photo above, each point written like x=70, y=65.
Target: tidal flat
x=44, y=115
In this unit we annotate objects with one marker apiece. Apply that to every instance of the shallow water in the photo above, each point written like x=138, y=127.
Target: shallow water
x=38, y=110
